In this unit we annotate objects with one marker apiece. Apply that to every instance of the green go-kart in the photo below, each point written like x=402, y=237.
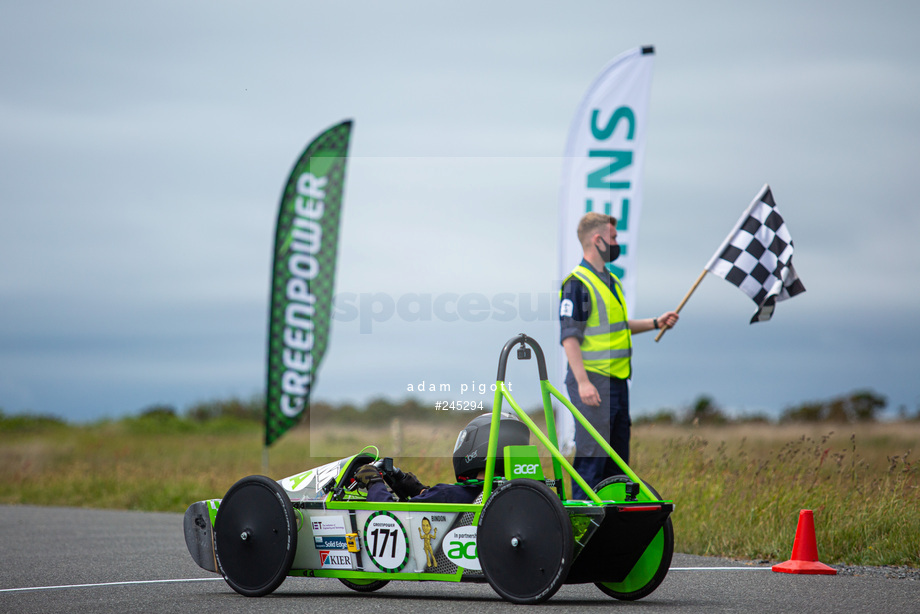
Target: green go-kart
x=522, y=535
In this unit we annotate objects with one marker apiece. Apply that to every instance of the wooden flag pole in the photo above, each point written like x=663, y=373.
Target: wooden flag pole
x=682, y=303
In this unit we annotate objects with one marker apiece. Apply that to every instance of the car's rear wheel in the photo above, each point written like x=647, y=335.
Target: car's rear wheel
x=525, y=541
x=649, y=572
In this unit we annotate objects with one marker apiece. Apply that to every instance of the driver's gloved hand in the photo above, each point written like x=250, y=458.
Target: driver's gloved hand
x=367, y=475
x=408, y=486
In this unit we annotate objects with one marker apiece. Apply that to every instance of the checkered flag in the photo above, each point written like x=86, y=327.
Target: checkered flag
x=757, y=257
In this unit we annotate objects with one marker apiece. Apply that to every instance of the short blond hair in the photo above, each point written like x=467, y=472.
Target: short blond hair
x=591, y=223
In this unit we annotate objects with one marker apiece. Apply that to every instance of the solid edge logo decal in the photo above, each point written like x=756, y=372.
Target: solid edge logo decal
x=337, y=542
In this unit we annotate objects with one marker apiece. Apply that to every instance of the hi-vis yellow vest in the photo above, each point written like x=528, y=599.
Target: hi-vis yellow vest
x=607, y=346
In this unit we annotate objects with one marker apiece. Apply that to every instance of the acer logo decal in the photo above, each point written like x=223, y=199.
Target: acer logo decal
x=526, y=469
x=459, y=546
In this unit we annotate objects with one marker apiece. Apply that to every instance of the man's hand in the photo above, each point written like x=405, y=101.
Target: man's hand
x=589, y=394
x=367, y=475
x=586, y=390
x=408, y=486
x=668, y=319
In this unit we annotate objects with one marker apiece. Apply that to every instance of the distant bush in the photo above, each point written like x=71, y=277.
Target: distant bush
x=705, y=411
x=662, y=416
x=29, y=422
x=859, y=406
x=756, y=418
x=156, y=419
x=252, y=410
x=159, y=412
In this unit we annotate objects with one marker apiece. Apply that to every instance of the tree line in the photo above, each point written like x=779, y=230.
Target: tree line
x=860, y=406
x=855, y=407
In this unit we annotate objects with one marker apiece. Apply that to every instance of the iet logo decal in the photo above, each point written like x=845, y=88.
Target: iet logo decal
x=328, y=525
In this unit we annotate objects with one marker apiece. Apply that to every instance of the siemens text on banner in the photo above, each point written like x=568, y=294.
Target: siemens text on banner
x=303, y=277
x=602, y=171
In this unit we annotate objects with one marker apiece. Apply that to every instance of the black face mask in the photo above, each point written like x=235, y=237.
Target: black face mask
x=609, y=253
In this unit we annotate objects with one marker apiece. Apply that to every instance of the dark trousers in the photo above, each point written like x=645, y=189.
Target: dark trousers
x=611, y=419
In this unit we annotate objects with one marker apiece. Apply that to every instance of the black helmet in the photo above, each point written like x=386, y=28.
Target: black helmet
x=472, y=445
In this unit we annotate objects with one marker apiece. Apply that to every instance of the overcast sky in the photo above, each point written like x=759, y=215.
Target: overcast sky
x=143, y=148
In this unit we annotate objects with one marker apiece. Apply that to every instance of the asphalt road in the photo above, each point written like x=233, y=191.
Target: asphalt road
x=86, y=561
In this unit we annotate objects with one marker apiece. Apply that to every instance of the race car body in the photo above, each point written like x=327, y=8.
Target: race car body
x=522, y=535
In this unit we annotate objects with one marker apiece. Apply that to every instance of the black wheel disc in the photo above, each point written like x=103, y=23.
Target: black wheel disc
x=525, y=541
x=255, y=536
x=652, y=568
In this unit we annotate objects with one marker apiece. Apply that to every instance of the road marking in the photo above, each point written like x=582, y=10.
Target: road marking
x=720, y=569
x=134, y=582
x=126, y=583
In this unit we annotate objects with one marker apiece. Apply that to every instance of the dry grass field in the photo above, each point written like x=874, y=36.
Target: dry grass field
x=738, y=488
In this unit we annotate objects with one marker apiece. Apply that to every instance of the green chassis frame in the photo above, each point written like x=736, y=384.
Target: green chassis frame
x=550, y=440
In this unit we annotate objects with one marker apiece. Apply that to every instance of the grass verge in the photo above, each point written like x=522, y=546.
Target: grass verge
x=738, y=488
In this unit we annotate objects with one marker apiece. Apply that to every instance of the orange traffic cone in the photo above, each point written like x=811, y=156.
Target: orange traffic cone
x=805, y=550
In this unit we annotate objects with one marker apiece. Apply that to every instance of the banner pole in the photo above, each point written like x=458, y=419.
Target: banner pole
x=682, y=303
x=265, y=460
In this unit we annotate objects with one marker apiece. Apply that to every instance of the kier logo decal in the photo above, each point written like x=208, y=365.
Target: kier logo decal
x=334, y=559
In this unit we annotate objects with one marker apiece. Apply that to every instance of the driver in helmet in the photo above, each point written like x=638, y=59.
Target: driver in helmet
x=470, y=453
